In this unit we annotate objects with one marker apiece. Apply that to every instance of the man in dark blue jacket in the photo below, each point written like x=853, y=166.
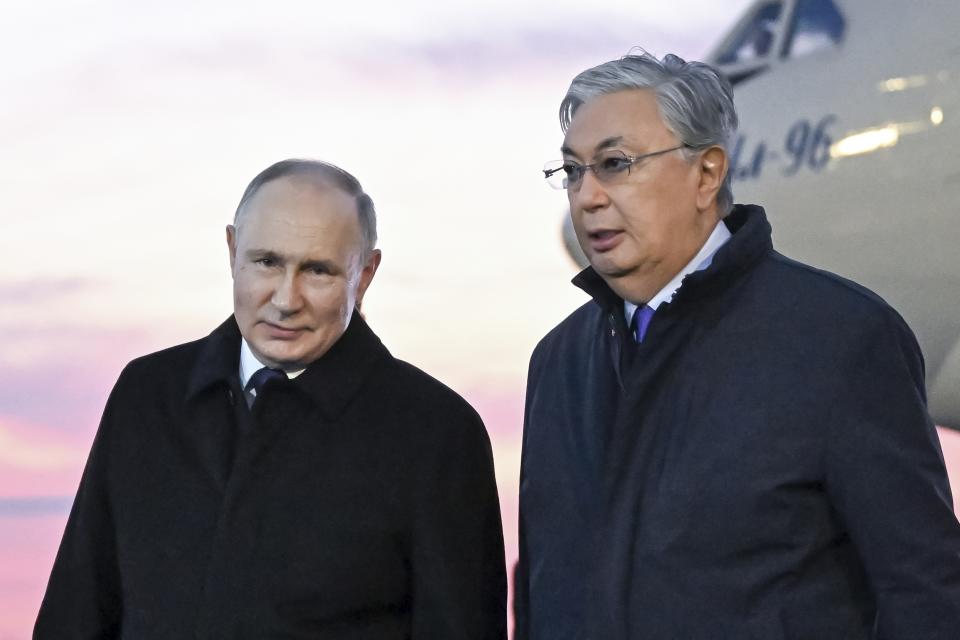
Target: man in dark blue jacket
x=723, y=443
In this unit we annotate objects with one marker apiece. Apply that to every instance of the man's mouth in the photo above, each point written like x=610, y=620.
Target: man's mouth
x=604, y=239
x=281, y=332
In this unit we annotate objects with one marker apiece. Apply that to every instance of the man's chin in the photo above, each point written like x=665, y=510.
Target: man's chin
x=284, y=358
x=608, y=268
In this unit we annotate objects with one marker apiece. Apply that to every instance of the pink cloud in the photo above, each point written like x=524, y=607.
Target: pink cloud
x=37, y=290
x=38, y=462
x=502, y=413
x=58, y=378
x=53, y=386
x=516, y=52
x=27, y=549
x=501, y=409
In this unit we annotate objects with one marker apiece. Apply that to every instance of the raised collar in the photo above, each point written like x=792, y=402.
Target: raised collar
x=749, y=242
x=333, y=380
x=717, y=238
x=330, y=382
x=218, y=360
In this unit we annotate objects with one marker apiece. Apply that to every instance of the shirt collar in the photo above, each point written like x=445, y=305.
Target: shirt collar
x=249, y=364
x=718, y=237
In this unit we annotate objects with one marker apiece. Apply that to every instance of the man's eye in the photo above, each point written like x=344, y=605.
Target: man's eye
x=265, y=262
x=572, y=171
x=614, y=164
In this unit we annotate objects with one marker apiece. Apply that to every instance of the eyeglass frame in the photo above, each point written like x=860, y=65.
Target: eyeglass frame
x=632, y=160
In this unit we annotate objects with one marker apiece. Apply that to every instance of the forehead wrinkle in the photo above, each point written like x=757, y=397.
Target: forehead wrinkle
x=291, y=231
x=300, y=259
x=302, y=242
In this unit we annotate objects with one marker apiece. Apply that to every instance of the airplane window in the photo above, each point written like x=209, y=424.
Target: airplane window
x=817, y=24
x=756, y=36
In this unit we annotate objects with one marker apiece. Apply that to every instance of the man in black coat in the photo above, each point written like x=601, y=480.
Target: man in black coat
x=285, y=477
x=723, y=443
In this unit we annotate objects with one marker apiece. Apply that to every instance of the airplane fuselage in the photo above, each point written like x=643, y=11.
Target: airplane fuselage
x=853, y=152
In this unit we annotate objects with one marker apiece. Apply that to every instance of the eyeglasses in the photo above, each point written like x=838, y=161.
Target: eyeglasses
x=608, y=167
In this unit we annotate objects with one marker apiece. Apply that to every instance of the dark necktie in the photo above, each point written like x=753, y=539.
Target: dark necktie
x=260, y=379
x=640, y=322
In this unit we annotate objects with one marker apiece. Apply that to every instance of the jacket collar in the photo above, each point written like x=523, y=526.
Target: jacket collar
x=219, y=358
x=330, y=382
x=333, y=380
x=750, y=241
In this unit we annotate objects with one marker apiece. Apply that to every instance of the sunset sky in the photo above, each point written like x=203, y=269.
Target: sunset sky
x=128, y=131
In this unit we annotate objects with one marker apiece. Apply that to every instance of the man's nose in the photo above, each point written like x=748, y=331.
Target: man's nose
x=287, y=296
x=591, y=195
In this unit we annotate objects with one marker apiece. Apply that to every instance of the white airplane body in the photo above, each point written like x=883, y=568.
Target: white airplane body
x=849, y=137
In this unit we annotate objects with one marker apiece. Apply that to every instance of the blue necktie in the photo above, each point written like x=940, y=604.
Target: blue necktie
x=259, y=380
x=640, y=322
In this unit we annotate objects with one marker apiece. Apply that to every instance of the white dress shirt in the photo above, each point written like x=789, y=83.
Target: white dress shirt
x=249, y=365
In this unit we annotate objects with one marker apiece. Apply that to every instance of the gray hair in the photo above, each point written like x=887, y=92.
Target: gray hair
x=695, y=101
x=329, y=174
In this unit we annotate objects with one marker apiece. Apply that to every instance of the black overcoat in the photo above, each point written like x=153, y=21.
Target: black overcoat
x=761, y=467
x=358, y=502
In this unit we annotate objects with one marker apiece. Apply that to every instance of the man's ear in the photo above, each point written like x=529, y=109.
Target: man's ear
x=366, y=274
x=232, y=245
x=713, y=171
